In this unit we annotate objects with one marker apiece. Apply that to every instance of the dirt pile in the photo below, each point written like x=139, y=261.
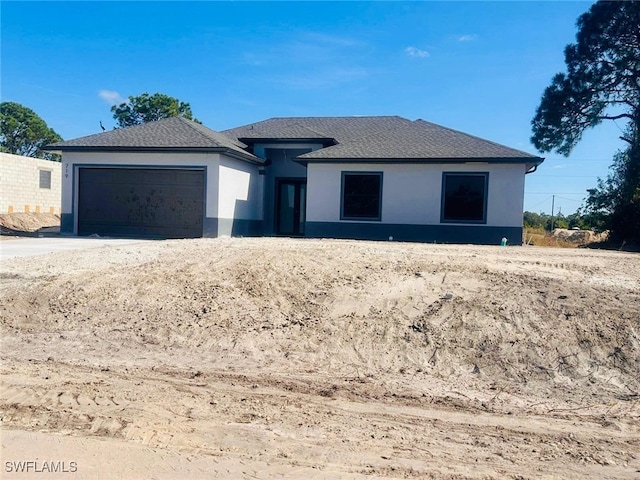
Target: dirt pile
x=580, y=237
x=319, y=341
x=28, y=222
x=372, y=309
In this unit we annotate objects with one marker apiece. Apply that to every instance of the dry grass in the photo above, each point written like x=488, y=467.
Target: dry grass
x=541, y=238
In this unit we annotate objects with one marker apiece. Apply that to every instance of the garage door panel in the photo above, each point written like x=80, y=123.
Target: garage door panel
x=184, y=178
x=94, y=210
x=97, y=177
x=166, y=203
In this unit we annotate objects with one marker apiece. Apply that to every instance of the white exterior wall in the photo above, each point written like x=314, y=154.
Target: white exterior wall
x=20, y=185
x=412, y=193
x=240, y=190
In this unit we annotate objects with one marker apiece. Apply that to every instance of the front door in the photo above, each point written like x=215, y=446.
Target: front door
x=291, y=197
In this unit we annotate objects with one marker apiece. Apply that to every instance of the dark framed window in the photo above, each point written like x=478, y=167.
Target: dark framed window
x=45, y=179
x=464, y=197
x=361, y=196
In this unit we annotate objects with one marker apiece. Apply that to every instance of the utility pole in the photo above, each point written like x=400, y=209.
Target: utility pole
x=553, y=201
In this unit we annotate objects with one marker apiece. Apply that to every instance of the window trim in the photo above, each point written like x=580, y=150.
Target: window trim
x=360, y=219
x=483, y=221
x=40, y=172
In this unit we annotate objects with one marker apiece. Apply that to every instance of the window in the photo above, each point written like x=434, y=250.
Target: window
x=464, y=197
x=45, y=179
x=361, y=195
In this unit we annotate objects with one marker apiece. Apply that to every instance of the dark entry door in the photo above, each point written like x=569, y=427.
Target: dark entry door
x=291, y=198
x=141, y=202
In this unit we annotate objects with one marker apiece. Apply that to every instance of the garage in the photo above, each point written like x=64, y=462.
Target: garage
x=141, y=202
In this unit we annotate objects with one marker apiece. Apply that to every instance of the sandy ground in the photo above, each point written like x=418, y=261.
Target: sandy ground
x=279, y=358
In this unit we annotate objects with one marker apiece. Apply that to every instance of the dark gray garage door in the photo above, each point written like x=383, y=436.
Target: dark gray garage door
x=141, y=202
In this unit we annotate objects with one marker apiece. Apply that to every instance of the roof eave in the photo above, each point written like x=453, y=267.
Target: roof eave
x=122, y=149
x=326, y=141
x=529, y=161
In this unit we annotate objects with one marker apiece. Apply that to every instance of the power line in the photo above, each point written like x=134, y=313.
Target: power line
x=538, y=204
x=569, y=176
x=568, y=199
x=580, y=159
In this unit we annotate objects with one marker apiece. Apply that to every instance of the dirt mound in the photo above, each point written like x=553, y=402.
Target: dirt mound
x=364, y=308
x=28, y=222
x=580, y=237
x=167, y=342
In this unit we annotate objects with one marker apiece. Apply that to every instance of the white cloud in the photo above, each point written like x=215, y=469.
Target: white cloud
x=324, y=77
x=466, y=38
x=416, y=52
x=306, y=48
x=310, y=60
x=335, y=40
x=111, y=97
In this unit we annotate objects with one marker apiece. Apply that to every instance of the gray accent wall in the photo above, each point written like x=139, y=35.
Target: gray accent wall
x=239, y=227
x=463, y=234
x=218, y=227
x=280, y=164
x=66, y=224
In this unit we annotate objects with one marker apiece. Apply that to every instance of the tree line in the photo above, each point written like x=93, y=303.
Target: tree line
x=579, y=219
x=24, y=132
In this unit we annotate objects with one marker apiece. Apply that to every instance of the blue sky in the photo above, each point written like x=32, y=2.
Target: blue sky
x=479, y=67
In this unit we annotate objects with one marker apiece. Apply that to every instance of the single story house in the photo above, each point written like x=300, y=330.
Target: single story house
x=341, y=177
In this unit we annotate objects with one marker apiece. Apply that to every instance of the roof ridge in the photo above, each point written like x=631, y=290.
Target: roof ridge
x=211, y=134
x=196, y=127
x=174, y=132
x=335, y=116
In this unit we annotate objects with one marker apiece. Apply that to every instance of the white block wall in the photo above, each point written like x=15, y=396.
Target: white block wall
x=20, y=185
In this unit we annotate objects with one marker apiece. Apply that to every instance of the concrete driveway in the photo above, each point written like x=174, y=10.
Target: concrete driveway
x=29, y=246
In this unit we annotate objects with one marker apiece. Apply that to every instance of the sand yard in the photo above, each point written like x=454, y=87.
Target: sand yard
x=282, y=358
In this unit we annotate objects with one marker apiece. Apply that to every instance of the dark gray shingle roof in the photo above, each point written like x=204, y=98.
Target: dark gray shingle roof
x=290, y=129
x=386, y=137
x=169, y=133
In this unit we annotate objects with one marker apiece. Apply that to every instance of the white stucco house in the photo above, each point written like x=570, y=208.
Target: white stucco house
x=338, y=177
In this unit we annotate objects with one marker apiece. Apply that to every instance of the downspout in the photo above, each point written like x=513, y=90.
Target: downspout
x=531, y=170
